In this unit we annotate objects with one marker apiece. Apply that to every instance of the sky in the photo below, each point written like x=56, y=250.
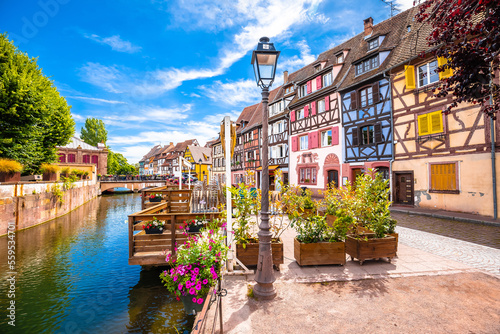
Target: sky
x=161, y=71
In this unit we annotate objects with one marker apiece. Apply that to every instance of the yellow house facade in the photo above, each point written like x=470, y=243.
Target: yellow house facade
x=201, y=160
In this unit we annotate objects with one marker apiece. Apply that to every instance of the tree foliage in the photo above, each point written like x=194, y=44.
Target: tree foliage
x=118, y=164
x=94, y=132
x=34, y=118
x=467, y=33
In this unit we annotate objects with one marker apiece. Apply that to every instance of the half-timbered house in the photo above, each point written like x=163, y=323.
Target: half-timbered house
x=218, y=162
x=441, y=161
x=366, y=98
x=237, y=163
x=278, y=134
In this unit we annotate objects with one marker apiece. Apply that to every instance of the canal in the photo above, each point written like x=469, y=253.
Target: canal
x=73, y=277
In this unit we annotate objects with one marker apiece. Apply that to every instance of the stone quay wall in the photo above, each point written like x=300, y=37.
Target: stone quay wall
x=26, y=204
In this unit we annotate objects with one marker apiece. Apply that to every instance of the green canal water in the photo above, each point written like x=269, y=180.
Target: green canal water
x=73, y=277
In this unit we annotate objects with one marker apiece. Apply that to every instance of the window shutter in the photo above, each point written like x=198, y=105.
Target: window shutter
x=313, y=108
x=378, y=133
x=335, y=135
x=318, y=82
x=436, y=122
x=310, y=142
x=443, y=177
x=410, y=77
x=448, y=72
x=295, y=144
x=306, y=111
x=355, y=138
x=292, y=116
x=309, y=87
x=423, y=125
x=354, y=101
x=376, y=93
x=316, y=139
x=327, y=102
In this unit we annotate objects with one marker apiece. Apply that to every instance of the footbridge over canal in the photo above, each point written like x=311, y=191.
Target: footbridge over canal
x=131, y=184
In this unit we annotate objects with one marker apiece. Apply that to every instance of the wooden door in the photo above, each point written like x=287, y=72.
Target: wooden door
x=333, y=175
x=404, y=188
x=355, y=173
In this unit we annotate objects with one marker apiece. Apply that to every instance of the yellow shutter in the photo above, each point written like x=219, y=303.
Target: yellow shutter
x=423, y=125
x=410, y=77
x=436, y=122
x=443, y=177
x=447, y=72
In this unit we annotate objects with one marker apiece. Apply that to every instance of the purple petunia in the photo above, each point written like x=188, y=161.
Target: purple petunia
x=180, y=287
x=198, y=286
x=205, y=281
x=192, y=291
x=200, y=300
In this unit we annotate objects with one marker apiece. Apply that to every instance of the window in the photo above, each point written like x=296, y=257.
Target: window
x=303, y=90
x=86, y=159
x=367, y=135
x=443, y=177
x=340, y=58
x=367, y=65
x=317, y=68
x=304, y=143
x=373, y=44
x=366, y=96
x=71, y=158
x=300, y=113
x=427, y=73
x=327, y=79
x=326, y=138
x=62, y=158
x=321, y=106
x=430, y=123
x=307, y=175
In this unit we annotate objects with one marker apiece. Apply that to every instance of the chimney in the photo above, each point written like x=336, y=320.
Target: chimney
x=368, y=26
x=171, y=143
x=285, y=79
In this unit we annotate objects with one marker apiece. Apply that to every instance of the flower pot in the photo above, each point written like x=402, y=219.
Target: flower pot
x=10, y=177
x=156, y=199
x=153, y=230
x=249, y=255
x=319, y=253
x=193, y=229
x=191, y=307
x=367, y=246
x=49, y=177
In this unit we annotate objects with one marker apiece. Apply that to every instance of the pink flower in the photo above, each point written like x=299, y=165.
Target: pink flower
x=210, y=247
x=200, y=300
x=194, y=300
x=180, y=287
x=192, y=291
x=205, y=281
x=174, y=278
x=189, y=267
x=188, y=284
x=198, y=286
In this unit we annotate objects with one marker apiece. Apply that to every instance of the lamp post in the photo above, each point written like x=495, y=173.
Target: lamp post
x=199, y=175
x=264, y=60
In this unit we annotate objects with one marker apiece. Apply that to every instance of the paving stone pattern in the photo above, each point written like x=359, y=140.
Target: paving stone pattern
x=477, y=256
x=476, y=233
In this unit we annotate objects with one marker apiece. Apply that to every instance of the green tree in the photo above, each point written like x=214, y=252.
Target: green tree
x=34, y=118
x=94, y=132
x=118, y=164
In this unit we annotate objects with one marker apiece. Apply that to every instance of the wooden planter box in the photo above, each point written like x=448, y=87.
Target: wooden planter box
x=10, y=177
x=249, y=255
x=49, y=177
x=330, y=219
x=319, y=253
x=372, y=248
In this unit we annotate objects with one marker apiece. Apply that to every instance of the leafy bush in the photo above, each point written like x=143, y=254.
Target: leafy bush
x=10, y=166
x=47, y=168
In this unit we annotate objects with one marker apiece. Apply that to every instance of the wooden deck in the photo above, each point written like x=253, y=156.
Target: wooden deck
x=151, y=249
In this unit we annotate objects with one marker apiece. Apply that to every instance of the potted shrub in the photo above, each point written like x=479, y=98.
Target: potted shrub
x=154, y=226
x=247, y=203
x=85, y=175
x=317, y=243
x=49, y=172
x=10, y=170
x=99, y=176
x=155, y=198
x=370, y=209
x=196, y=267
x=65, y=172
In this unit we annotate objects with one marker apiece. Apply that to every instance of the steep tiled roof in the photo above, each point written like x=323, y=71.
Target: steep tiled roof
x=181, y=147
x=203, y=153
x=151, y=153
x=246, y=115
x=256, y=119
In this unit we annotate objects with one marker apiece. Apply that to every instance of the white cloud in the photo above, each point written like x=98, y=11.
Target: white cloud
x=95, y=100
x=77, y=117
x=232, y=93
x=294, y=63
x=265, y=18
x=404, y=4
x=115, y=42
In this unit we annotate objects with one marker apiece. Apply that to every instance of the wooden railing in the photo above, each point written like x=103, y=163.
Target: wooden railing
x=177, y=200
x=151, y=249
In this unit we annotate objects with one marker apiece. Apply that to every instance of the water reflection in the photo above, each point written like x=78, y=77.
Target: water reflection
x=73, y=277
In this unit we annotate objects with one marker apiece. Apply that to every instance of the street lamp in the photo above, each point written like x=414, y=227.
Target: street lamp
x=199, y=175
x=264, y=60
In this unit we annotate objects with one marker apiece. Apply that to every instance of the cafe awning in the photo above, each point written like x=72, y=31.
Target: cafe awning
x=273, y=167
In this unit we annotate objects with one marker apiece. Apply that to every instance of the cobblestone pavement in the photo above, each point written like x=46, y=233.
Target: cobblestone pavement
x=476, y=233
x=477, y=256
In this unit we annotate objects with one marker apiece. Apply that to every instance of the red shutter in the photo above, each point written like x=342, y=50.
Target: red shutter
x=292, y=116
x=294, y=144
x=310, y=140
x=327, y=102
x=316, y=139
x=309, y=87
x=313, y=107
x=318, y=82
x=354, y=101
x=306, y=111
x=335, y=135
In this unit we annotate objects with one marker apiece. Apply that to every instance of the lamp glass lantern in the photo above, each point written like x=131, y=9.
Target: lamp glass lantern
x=264, y=60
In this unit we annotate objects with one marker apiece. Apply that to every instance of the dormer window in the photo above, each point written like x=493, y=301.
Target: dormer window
x=373, y=44
x=317, y=68
x=367, y=65
x=340, y=58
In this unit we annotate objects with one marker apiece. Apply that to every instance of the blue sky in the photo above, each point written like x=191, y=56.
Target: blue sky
x=158, y=71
